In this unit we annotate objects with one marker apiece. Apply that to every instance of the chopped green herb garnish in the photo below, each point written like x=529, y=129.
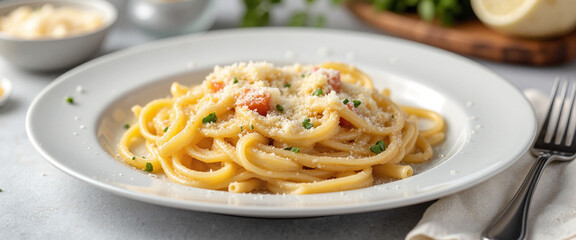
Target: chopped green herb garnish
x=318, y=92
x=307, y=124
x=149, y=167
x=287, y=85
x=70, y=100
x=165, y=129
x=143, y=156
x=126, y=126
x=375, y=149
x=235, y=80
x=241, y=128
x=211, y=118
x=251, y=127
x=303, y=75
x=379, y=147
x=381, y=144
x=356, y=103
x=133, y=158
x=279, y=108
x=393, y=115
x=293, y=149
x=346, y=101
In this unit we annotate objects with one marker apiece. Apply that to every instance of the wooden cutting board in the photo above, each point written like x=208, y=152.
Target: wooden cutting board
x=470, y=38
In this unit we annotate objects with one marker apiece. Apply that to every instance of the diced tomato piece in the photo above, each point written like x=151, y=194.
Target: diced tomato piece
x=255, y=100
x=217, y=86
x=345, y=123
x=334, y=82
x=333, y=77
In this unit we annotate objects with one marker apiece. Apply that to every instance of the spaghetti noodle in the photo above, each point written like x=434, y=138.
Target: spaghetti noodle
x=292, y=129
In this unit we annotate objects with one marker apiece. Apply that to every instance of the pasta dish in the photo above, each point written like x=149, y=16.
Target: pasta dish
x=252, y=127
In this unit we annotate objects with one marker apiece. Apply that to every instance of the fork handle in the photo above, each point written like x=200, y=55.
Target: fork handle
x=511, y=224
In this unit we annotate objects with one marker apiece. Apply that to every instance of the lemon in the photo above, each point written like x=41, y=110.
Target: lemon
x=527, y=18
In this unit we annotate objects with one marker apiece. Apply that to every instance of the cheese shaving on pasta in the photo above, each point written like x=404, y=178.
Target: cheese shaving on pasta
x=290, y=129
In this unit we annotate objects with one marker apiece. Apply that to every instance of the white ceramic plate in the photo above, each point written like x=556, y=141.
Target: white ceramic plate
x=490, y=123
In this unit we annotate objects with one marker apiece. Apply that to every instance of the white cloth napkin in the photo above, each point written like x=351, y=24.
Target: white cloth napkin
x=464, y=215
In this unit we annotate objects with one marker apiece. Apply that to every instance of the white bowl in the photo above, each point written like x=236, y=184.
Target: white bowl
x=168, y=18
x=59, y=53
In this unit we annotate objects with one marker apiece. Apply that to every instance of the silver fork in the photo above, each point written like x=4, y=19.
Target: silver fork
x=555, y=141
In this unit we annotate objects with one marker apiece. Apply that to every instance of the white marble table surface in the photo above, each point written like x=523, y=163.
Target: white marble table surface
x=40, y=202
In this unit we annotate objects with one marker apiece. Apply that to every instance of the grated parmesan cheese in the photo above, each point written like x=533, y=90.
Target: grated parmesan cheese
x=292, y=88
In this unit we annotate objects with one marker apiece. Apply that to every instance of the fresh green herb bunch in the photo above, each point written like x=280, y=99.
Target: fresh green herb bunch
x=447, y=12
x=258, y=13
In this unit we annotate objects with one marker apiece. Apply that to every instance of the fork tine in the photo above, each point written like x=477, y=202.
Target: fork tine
x=565, y=113
x=549, y=125
x=571, y=129
x=560, y=122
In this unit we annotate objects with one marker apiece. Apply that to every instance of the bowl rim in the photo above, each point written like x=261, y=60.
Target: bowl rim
x=106, y=6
